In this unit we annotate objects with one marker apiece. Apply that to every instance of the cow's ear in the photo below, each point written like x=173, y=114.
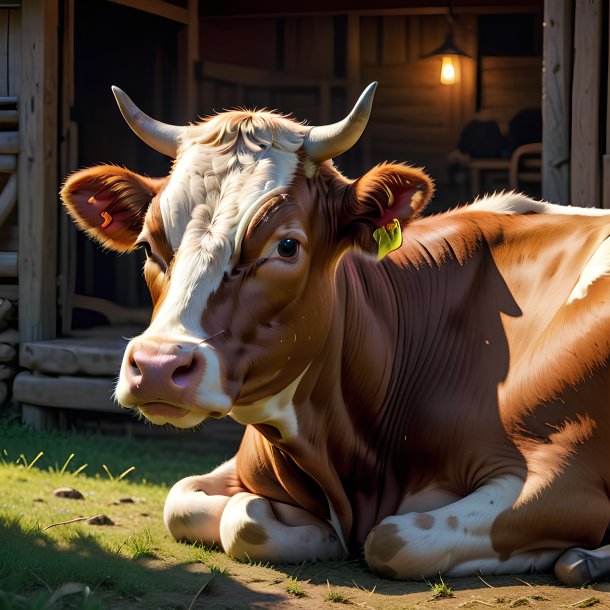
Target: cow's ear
x=377, y=206
x=109, y=203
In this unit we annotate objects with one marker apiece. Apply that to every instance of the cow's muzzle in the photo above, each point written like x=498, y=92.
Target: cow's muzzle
x=172, y=382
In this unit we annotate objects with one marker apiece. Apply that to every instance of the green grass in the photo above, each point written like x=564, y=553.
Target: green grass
x=117, y=566
x=440, y=589
x=294, y=587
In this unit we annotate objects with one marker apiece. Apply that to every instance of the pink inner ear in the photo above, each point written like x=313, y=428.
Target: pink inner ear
x=91, y=204
x=400, y=209
x=101, y=208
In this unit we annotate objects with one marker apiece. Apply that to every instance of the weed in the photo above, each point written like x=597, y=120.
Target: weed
x=335, y=596
x=440, y=589
x=257, y=564
x=27, y=464
x=139, y=545
x=294, y=588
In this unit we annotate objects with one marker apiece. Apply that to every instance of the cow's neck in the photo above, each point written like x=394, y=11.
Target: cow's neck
x=345, y=441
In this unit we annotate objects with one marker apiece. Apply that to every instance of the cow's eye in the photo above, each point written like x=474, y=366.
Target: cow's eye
x=288, y=248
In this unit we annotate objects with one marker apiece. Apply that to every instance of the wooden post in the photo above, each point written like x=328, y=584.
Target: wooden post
x=556, y=91
x=585, y=157
x=37, y=171
x=192, y=57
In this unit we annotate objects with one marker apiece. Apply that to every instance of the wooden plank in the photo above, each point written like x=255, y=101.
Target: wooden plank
x=353, y=57
x=393, y=41
x=423, y=73
x=88, y=393
x=37, y=171
x=556, y=101
x=8, y=264
x=509, y=63
x=159, y=8
x=39, y=418
x=367, y=36
x=9, y=142
x=414, y=37
x=4, y=34
x=67, y=163
x=585, y=160
x=256, y=77
x=8, y=199
x=315, y=60
x=192, y=59
x=606, y=182
x=14, y=52
x=9, y=118
x=99, y=356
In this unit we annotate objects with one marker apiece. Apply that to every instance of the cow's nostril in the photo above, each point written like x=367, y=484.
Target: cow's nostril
x=182, y=376
x=135, y=369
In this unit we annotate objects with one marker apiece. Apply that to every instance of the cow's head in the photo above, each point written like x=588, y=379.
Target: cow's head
x=243, y=240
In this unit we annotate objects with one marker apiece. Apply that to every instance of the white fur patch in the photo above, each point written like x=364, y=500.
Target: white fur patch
x=597, y=267
x=453, y=540
x=516, y=203
x=277, y=411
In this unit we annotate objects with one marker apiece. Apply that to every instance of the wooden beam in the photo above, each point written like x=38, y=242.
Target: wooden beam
x=192, y=58
x=159, y=8
x=8, y=264
x=37, y=170
x=556, y=80
x=585, y=157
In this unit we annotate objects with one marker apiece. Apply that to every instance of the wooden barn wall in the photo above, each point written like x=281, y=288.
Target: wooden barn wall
x=509, y=84
x=576, y=103
x=10, y=82
x=273, y=63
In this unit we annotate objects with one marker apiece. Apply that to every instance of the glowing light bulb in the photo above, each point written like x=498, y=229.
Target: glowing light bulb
x=448, y=71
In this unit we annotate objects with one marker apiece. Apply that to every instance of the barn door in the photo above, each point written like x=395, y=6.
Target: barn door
x=148, y=49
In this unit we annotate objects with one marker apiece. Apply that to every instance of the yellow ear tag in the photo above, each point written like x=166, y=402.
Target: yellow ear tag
x=388, y=238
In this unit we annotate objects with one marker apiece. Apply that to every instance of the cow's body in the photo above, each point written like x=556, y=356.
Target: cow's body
x=445, y=409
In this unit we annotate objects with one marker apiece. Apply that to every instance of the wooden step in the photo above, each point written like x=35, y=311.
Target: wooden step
x=65, y=391
x=96, y=352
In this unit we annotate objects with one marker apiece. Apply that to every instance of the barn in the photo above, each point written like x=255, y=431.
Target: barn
x=484, y=94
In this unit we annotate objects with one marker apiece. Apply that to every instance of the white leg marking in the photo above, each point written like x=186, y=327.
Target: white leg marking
x=250, y=528
x=453, y=540
x=194, y=505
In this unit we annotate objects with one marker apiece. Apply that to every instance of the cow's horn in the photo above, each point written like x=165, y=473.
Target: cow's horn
x=160, y=136
x=328, y=141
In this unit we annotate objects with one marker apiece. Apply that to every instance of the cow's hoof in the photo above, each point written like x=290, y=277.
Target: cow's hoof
x=579, y=566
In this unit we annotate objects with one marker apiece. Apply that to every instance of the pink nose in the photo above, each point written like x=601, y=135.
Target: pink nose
x=158, y=372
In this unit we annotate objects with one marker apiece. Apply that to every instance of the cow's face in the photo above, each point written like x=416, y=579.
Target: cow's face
x=242, y=241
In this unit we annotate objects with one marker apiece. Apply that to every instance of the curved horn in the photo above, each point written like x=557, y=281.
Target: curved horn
x=160, y=136
x=328, y=141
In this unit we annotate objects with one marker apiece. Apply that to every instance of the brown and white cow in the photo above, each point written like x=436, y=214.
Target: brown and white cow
x=445, y=409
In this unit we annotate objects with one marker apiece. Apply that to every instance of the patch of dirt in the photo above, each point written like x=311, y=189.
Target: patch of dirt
x=235, y=586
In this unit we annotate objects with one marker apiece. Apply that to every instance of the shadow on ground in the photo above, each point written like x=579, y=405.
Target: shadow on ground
x=31, y=562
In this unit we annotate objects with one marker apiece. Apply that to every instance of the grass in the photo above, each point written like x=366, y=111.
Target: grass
x=124, y=479
x=440, y=589
x=295, y=588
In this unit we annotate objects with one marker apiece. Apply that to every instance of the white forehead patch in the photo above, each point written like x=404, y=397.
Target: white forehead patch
x=226, y=168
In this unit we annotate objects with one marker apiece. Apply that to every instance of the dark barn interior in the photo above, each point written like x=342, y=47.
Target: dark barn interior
x=475, y=129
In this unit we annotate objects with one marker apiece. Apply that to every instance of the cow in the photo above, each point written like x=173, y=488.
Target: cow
x=430, y=391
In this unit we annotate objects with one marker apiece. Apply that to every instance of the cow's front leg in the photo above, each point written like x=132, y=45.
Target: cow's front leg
x=253, y=527
x=455, y=539
x=194, y=505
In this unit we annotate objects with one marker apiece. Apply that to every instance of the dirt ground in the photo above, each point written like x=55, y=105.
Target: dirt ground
x=344, y=584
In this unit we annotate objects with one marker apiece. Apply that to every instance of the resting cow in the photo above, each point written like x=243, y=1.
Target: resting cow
x=444, y=409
